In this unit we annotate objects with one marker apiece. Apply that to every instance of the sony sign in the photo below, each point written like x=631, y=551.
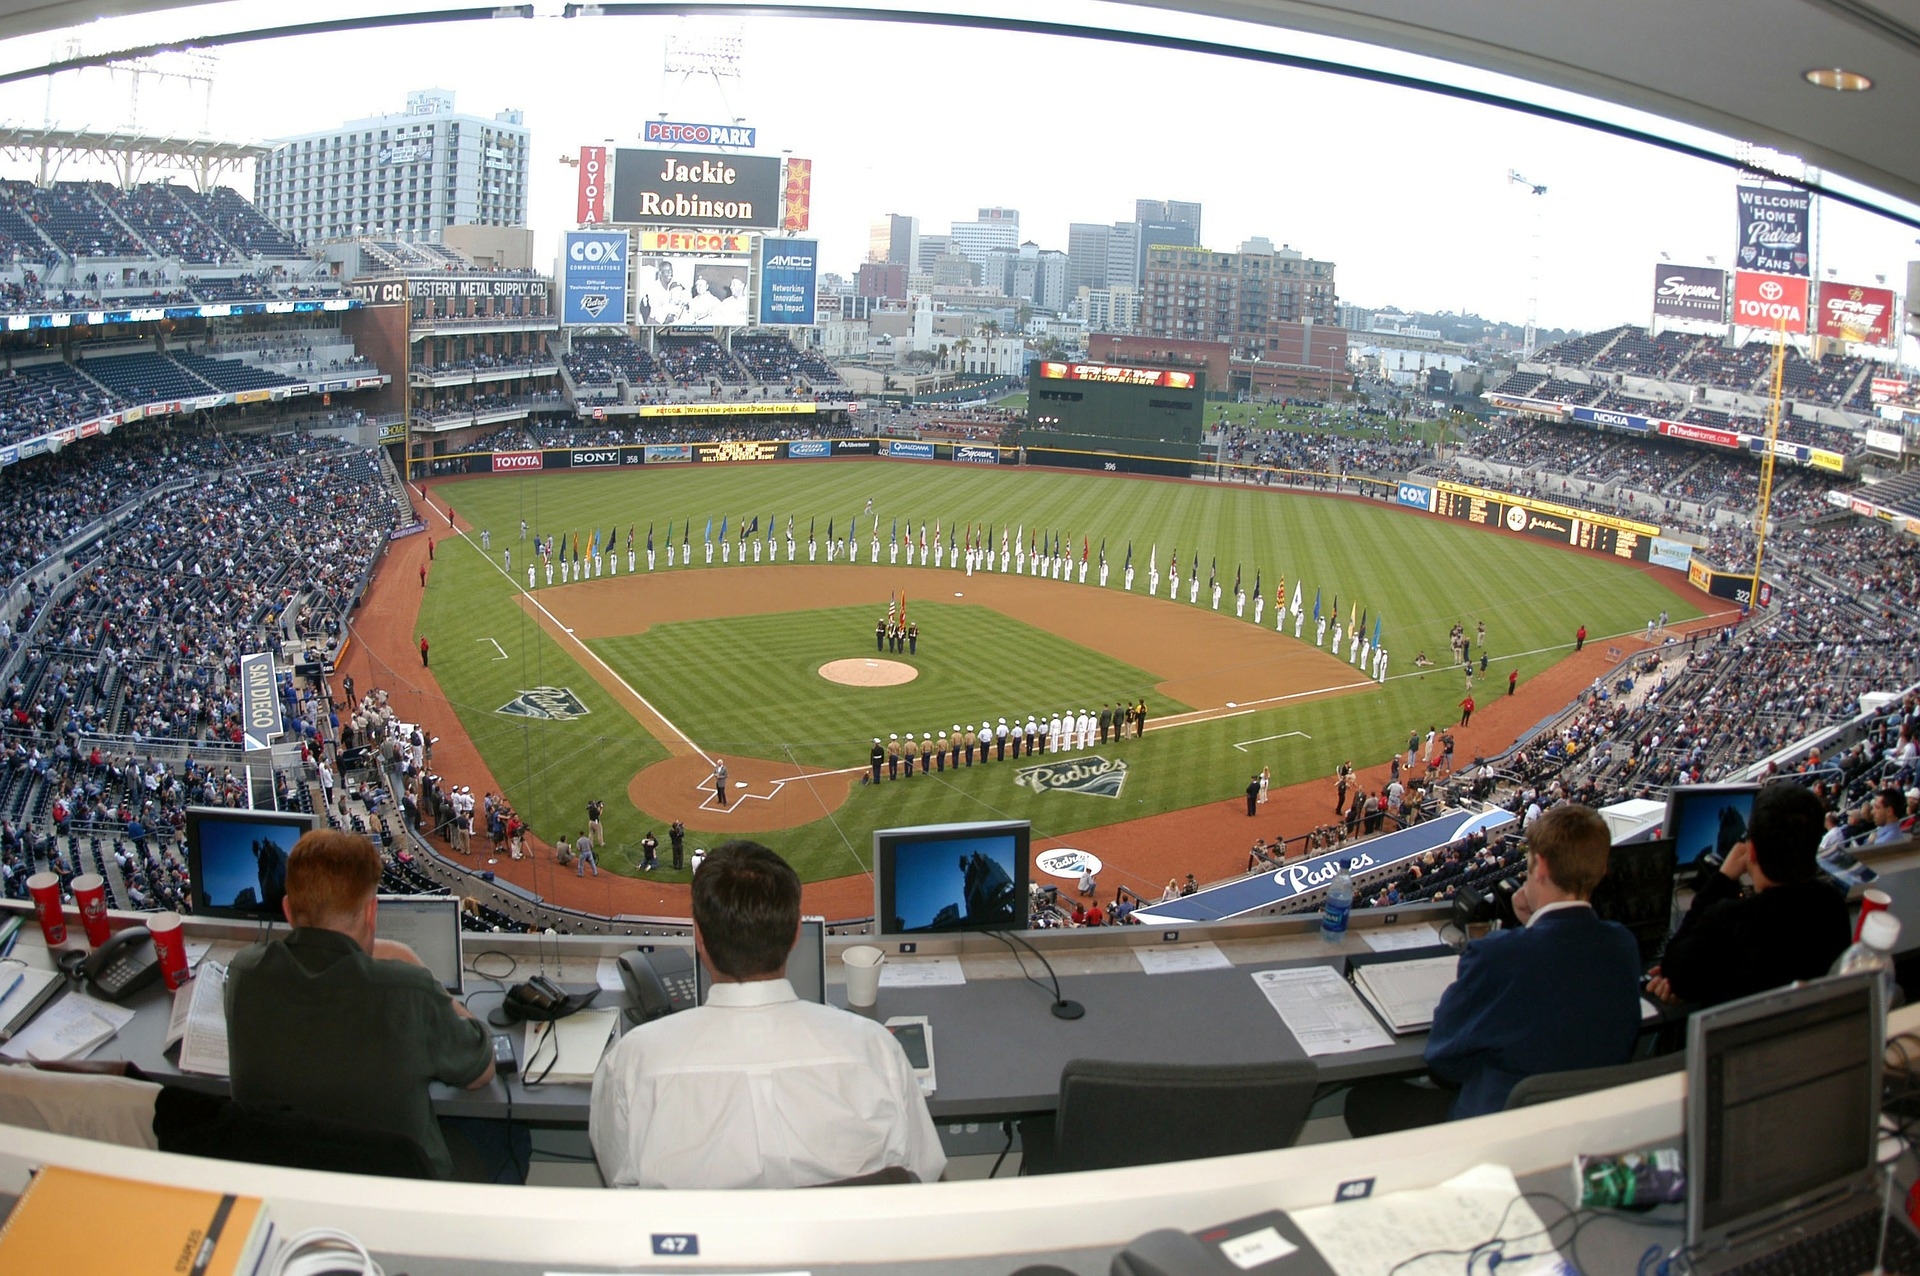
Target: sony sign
x=583, y=459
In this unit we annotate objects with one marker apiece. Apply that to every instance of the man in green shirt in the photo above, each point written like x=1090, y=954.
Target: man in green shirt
x=334, y=1023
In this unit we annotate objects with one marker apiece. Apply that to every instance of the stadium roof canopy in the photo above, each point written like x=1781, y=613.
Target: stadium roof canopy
x=129, y=154
x=1734, y=67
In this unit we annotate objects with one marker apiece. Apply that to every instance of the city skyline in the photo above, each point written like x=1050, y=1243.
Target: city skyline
x=1408, y=193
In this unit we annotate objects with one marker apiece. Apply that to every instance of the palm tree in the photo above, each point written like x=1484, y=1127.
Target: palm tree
x=960, y=349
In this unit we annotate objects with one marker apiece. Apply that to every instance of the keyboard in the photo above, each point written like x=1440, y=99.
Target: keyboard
x=1845, y=1249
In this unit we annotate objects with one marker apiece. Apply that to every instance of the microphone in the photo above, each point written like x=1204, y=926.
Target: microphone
x=1062, y=1008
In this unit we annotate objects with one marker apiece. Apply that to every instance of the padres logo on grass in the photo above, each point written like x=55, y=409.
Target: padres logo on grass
x=1096, y=775
x=557, y=704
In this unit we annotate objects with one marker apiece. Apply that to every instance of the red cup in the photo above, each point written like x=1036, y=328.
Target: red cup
x=1872, y=901
x=90, y=892
x=45, y=889
x=170, y=946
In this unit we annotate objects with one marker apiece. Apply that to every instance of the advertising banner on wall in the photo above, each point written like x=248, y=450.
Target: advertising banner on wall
x=796, y=212
x=590, y=208
x=689, y=291
x=1854, y=312
x=1585, y=529
x=788, y=273
x=1773, y=230
x=693, y=188
x=1767, y=301
x=593, y=277
x=259, y=703
x=1690, y=292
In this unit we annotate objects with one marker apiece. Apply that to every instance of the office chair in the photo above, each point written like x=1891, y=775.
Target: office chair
x=1545, y=1087
x=1113, y=1114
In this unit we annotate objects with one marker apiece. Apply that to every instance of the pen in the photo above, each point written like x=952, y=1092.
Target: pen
x=12, y=984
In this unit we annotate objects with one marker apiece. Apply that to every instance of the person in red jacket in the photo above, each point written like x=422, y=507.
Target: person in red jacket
x=1513, y=680
x=423, y=653
x=1579, y=637
x=1466, y=707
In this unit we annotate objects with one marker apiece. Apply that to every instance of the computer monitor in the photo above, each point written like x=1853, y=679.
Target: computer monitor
x=1637, y=892
x=951, y=877
x=806, y=965
x=1705, y=820
x=1783, y=1107
x=430, y=925
x=237, y=860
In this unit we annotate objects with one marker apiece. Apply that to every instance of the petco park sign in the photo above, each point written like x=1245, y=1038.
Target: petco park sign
x=1769, y=301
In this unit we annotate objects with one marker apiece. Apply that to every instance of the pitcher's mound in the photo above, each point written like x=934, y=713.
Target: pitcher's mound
x=868, y=673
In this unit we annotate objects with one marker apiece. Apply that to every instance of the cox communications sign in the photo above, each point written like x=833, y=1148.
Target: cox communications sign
x=593, y=289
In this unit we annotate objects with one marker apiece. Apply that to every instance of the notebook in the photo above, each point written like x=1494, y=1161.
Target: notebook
x=806, y=965
x=1783, y=1118
x=1405, y=993
x=430, y=925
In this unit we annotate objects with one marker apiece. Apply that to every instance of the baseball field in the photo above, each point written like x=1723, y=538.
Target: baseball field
x=627, y=687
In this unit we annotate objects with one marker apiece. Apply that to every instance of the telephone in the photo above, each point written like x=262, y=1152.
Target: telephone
x=658, y=983
x=123, y=965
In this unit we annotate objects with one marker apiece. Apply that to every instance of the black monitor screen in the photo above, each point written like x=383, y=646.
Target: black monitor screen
x=1707, y=819
x=950, y=877
x=1637, y=892
x=237, y=860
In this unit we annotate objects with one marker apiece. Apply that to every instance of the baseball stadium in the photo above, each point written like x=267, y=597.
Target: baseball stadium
x=552, y=566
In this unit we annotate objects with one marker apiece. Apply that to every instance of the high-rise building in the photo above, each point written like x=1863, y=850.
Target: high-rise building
x=1123, y=255
x=409, y=175
x=881, y=279
x=1170, y=211
x=1086, y=256
x=1240, y=298
x=931, y=249
x=1173, y=234
x=895, y=238
x=995, y=228
x=1050, y=281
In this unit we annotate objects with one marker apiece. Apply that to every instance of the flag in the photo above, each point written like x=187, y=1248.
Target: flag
x=1084, y=547
x=1316, y=604
x=723, y=527
x=890, y=610
x=852, y=529
x=630, y=527
x=770, y=526
x=1256, y=583
x=896, y=531
x=1056, y=544
x=1336, y=607
x=923, y=536
x=1363, y=622
x=1153, y=558
x=1352, y=610
x=1296, y=599
x=576, y=549
x=1213, y=572
x=876, y=523
x=1129, y=555
x=1103, y=551
x=593, y=549
x=1020, y=536
x=710, y=529
x=1376, y=631
x=746, y=531
x=810, y=522
x=989, y=538
x=1236, y=580
x=949, y=540
x=1175, y=568
x=903, y=609
x=829, y=530
x=649, y=536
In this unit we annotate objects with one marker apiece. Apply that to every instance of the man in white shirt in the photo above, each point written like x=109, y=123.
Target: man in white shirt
x=756, y=1088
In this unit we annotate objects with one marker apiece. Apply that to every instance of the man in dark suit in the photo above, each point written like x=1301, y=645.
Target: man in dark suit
x=1791, y=927
x=1562, y=992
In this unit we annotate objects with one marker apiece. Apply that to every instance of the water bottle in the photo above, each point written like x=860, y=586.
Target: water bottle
x=1339, y=903
x=1879, y=936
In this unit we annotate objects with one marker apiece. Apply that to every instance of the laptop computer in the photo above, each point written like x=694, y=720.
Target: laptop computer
x=430, y=925
x=1783, y=1127
x=806, y=965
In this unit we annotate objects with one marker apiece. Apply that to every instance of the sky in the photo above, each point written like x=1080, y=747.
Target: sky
x=1407, y=192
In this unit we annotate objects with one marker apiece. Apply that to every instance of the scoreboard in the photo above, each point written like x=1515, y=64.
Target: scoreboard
x=1583, y=529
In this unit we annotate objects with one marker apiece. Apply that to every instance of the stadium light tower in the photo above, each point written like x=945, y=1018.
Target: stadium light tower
x=1533, y=275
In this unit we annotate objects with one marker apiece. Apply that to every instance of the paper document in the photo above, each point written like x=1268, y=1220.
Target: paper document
x=69, y=1028
x=607, y=975
x=1177, y=958
x=1374, y=1236
x=572, y=1045
x=203, y=1027
x=922, y=972
x=1406, y=992
x=1321, y=1010
x=1389, y=941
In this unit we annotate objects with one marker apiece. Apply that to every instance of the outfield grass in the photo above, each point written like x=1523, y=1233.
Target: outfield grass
x=1420, y=575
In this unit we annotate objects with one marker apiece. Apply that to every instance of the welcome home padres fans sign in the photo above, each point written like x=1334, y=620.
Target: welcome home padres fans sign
x=555, y=704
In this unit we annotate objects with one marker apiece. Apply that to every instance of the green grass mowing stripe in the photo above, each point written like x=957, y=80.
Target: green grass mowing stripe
x=1419, y=574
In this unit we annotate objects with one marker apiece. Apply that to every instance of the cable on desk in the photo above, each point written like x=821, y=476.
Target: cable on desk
x=513, y=965
x=1007, y=1128
x=323, y=1251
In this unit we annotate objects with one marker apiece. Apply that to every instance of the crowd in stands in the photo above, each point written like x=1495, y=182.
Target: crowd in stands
x=1328, y=443
x=43, y=224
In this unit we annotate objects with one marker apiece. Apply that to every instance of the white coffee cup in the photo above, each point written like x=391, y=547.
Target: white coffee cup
x=862, y=963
